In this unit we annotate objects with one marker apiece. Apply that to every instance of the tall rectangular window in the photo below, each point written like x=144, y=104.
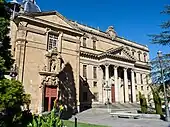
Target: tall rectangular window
x=94, y=72
x=85, y=71
x=52, y=41
x=94, y=44
x=141, y=78
x=84, y=42
x=135, y=77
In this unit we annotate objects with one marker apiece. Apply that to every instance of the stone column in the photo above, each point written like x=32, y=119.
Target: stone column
x=107, y=83
x=133, y=86
x=116, y=84
x=126, y=91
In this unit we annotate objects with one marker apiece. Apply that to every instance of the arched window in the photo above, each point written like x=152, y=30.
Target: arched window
x=133, y=52
x=145, y=57
x=139, y=55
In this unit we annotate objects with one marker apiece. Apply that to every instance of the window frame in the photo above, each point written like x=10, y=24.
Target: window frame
x=94, y=72
x=52, y=38
x=85, y=71
x=84, y=42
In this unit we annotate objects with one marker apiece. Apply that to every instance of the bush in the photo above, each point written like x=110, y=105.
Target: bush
x=53, y=119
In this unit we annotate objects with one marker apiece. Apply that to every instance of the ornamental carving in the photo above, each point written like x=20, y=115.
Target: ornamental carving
x=51, y=80
x=111, y=32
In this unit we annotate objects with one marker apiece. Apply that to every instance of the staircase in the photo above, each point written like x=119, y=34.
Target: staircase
x=126, y=107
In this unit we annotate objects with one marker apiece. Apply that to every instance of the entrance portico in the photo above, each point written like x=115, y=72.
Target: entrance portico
x=118, y=83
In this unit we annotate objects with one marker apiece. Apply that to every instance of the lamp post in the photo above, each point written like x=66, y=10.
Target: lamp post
x=13, y=72
x=167, y=118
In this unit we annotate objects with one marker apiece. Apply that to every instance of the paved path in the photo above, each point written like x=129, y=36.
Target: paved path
x=102, y=117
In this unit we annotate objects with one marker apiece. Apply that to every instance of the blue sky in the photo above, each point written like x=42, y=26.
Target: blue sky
x=132, y=19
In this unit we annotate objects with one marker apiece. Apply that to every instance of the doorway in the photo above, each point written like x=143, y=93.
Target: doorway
x=51, y=94
x=113, y=93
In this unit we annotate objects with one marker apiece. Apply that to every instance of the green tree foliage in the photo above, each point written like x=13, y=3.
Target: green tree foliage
x=5, y=46
x=143, y=103
x=163, y=38
x=12, y=97
x=157, y=101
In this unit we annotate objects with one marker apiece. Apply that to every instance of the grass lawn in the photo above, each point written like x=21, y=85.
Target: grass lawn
x=71, y=124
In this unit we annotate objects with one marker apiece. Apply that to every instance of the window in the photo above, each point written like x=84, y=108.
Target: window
x=141, y=78
x=52, y=41
x=96, y=97
x=135, y=77
x=139, y=56
x=141, y=87
x=94, y=72
x=145, y=58
x=136, y=87
x=85, y=71
x=84, y=42
x=84, y=96
x=147, y=82
x=94, y=84
x=94, y=44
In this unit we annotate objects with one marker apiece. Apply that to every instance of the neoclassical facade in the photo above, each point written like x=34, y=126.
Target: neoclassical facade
x=78, y=65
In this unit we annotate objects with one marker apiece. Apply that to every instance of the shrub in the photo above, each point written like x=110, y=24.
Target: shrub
x=51, y=120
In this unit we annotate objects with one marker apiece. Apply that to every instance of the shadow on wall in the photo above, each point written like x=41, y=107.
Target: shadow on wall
x=86, y=95
x=67, y=91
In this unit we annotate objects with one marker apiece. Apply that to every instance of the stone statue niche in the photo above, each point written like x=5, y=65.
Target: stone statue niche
x=54, y=61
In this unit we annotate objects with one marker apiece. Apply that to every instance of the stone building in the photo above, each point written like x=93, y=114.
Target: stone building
x=77, y=64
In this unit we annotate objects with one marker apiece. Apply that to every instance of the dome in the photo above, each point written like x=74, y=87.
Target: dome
x=30, y=6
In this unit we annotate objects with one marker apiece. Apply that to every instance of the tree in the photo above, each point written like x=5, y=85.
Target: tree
x=157, y=100
x=143, y=103
x=12, y=97
x=5, y=46
x=156, y=71
x=163, y=38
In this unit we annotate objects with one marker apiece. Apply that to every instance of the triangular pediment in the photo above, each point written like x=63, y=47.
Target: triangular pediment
x=121, y=52
x=55, y=17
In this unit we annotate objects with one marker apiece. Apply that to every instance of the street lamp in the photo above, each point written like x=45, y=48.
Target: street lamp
x=167, y=118
x=13, y=72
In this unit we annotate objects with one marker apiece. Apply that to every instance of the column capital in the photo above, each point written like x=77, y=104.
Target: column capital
x=106, y=64
x=115, y=66
x=132, y=70
x=125, y=68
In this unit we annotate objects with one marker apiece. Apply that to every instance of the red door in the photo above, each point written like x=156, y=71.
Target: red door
x=51, y=94
x=113, y=93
